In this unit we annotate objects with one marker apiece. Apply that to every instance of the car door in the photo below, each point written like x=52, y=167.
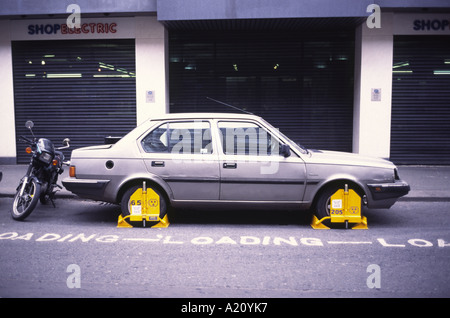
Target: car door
x=182, y=154
x=252, y=167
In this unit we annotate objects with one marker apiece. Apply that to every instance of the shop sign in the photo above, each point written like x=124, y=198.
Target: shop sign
x=89, y=28
x=413, y=24
x=436, y=24
x=85, y=28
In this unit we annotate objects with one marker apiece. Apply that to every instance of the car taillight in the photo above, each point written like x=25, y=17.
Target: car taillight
x=72, y=171
x=396, y=176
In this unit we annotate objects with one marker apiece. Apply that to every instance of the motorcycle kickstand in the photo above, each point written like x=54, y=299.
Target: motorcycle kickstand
x=52, y=195
x=53, y=202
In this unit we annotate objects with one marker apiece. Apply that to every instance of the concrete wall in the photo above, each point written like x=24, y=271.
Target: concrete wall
x=215, y=9
x=151, y=69
x=373, y=88
x=45, y=7
x=8, y=131
x=267, y=9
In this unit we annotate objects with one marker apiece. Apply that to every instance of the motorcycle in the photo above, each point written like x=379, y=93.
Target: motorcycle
x=39, y=182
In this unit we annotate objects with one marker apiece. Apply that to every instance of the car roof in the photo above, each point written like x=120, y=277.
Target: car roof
x=204, y=116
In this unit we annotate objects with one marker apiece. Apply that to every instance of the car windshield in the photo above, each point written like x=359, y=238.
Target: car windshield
x=301, y=148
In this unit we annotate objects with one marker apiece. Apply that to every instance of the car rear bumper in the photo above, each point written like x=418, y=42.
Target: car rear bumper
x=383, y=191
x=86, y=188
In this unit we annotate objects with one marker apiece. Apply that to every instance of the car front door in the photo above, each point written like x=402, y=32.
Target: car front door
x=252, y=166
x=182, y=154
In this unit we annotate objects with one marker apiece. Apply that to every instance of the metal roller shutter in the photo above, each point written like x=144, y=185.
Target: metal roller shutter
x=83, y=90
x=421, y=100
x=301, y=82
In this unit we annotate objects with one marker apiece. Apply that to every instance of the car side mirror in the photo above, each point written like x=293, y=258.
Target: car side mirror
x=285, y=150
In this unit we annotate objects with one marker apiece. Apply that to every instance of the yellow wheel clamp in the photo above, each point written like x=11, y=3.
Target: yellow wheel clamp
x=345, y=207
x=144, y=206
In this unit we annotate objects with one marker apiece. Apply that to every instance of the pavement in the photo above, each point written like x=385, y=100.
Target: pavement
x=428, y=183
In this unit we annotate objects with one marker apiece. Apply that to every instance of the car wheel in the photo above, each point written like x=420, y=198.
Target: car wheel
x=126, y=205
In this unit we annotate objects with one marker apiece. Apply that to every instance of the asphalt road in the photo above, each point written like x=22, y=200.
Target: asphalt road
x=76, y=250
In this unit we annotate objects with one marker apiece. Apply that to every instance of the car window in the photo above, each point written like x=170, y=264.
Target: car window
x=193, y=137
x=247, y=138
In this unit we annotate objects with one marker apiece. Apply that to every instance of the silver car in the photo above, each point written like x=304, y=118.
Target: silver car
x=231, y=160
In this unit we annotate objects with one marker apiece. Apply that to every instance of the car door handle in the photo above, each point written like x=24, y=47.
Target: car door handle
x=157, y=163
x=230, y=165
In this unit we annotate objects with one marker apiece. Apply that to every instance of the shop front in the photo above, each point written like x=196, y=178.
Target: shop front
x=83, y=83
x=420, y=131
x=328, y=83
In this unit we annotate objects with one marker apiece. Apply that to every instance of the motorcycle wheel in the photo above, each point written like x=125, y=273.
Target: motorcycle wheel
x=25, y=204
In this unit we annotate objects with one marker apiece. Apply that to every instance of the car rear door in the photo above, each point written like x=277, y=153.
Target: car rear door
x=182, y=154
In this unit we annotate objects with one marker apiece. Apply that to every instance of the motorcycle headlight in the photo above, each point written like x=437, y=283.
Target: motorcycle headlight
x=45, y=157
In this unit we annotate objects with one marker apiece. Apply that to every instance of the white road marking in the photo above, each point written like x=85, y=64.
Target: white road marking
x=345, y=242
x=141, y=239
x=242, y=240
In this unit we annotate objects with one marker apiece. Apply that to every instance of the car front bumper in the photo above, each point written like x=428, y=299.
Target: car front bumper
x=383, y=191
x=86, y=188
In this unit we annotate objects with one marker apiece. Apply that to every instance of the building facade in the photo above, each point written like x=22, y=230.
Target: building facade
x=359, y=76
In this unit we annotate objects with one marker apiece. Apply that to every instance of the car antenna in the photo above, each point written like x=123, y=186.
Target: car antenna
x=218, y=101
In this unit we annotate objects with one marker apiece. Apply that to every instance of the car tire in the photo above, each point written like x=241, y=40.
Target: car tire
x=125, y=203
x=322, y=207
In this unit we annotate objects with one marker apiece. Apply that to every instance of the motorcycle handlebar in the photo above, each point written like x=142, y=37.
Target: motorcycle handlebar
x=26, y=139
